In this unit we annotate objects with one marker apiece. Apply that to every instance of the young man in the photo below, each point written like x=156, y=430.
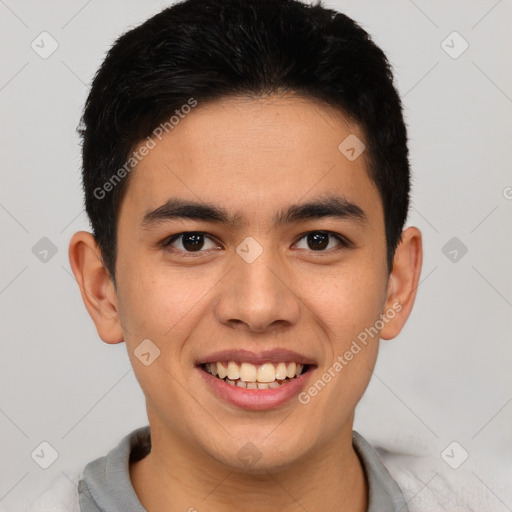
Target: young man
x=246, y=174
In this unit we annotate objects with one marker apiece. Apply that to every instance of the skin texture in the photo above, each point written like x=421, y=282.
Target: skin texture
x=253, y=157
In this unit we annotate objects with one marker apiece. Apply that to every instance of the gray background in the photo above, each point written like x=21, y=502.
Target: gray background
x=445, y=378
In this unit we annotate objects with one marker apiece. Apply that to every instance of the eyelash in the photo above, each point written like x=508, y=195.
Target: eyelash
x=166, y=244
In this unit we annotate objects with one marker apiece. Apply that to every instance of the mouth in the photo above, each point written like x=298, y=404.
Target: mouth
x=256, y=381
x=261, y=376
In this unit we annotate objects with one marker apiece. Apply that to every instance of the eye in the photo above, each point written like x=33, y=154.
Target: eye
x=190, y=241
x=319, y=240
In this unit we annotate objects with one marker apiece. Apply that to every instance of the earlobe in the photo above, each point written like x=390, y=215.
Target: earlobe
x=403, y=282
x=96, y=287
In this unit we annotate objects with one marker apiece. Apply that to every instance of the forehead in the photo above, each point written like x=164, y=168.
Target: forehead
x=252, y=156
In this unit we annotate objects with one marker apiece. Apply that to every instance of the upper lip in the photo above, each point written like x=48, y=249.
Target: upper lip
x=277, y=355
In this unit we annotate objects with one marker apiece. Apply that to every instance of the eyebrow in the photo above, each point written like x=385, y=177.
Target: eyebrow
x=328, y=206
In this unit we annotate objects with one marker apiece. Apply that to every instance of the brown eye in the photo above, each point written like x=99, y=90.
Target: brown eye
x=320, y=240
x=193, y=241
x=190, y=242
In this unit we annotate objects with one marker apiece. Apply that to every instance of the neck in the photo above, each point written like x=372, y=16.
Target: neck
x=331, y=479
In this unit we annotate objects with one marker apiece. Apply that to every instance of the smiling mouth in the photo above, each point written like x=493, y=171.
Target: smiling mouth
x=249, y=376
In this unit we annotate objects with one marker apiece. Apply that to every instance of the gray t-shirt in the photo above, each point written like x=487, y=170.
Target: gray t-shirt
x=106, y=485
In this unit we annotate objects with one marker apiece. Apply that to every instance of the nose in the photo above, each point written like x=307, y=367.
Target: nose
x=258, y=296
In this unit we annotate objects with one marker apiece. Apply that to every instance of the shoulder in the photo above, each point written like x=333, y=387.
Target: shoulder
x=61, y=496
x=429, y=484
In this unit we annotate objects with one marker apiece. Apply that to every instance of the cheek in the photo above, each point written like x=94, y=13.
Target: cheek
x=355, y=307
x=351, y=301
x=161, y=302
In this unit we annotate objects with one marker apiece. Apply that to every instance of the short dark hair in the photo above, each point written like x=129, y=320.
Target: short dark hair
x=212, y=49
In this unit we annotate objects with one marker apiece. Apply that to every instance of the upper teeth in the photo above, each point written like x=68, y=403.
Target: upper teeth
x=247, y=372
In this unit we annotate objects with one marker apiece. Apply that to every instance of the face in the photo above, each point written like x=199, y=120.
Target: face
x=250, y=274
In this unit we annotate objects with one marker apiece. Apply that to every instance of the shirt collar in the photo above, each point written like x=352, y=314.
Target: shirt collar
x=106, y=484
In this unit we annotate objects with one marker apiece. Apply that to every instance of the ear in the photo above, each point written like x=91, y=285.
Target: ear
x=97, y=289
x=403, y=282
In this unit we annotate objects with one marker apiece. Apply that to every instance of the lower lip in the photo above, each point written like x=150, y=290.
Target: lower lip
x=256, y=399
